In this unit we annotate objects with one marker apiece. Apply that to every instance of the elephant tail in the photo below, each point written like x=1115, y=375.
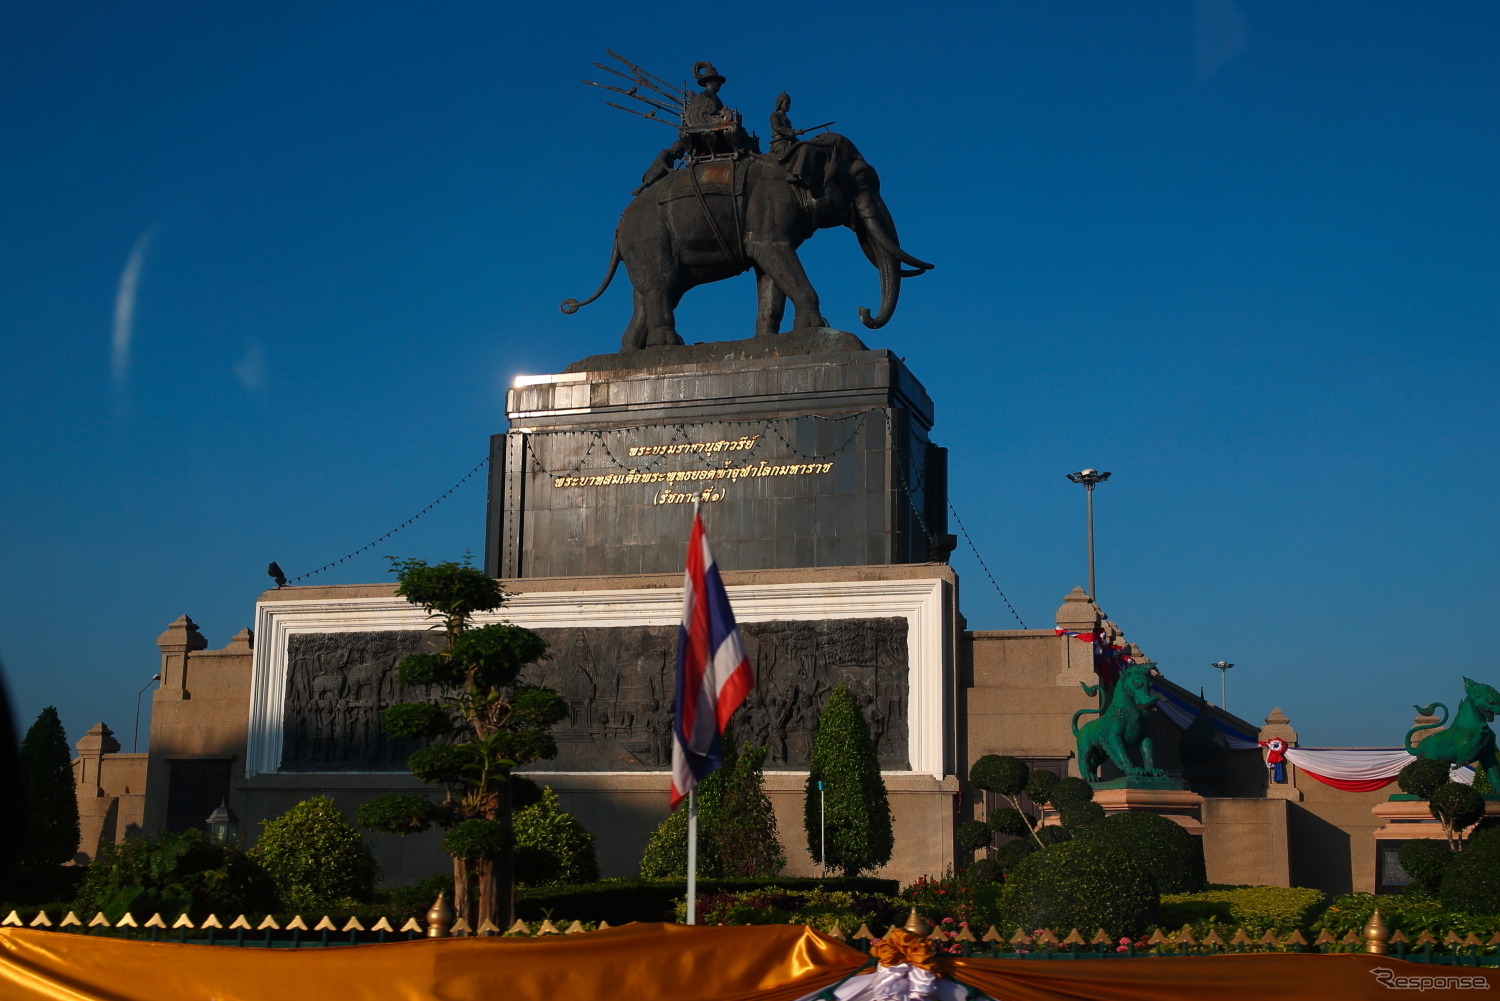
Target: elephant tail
x=571, y=306
x=1426, y=711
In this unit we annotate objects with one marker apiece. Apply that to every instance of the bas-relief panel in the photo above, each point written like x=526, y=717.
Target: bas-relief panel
x=619, y=686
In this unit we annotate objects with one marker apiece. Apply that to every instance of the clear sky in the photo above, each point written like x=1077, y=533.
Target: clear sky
x=268, y=268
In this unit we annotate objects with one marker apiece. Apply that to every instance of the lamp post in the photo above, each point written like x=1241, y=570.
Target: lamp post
x=135, y=731
x=1090, y=478
x=1223, y=667
x=222, y=825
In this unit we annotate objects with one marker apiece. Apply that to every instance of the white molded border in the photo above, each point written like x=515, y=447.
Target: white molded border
x=920, y=602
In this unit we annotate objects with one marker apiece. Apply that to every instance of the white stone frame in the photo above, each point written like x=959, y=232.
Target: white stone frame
x=922, y=602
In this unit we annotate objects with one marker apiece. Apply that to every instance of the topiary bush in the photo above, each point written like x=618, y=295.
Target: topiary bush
x=1471, y=881
x=1456, y=806
x=552, y=846
x=1172, y=856
x=1425, y=861
x=972, y=835
x=1070, y=790
x=1080, y=884
x=1010, y=854
x=170, y=874
x=1422, y=776
x=1075, y=816
x=1255, y=908
x=315, y=857
x=1000, y=774
x=985, y=872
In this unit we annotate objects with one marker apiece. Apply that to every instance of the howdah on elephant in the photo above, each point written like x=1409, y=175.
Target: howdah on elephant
x=716, y=218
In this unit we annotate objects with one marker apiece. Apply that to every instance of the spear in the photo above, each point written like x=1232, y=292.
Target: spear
x=651, y=116
x=672, y=95
x=642, y=72
x=638, y=97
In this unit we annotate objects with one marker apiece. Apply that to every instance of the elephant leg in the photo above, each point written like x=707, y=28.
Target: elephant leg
x=658, y=305
x=772, y=305
x=634, y=337
x=780, y=262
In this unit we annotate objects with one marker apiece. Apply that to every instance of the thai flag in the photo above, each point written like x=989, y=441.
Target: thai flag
x=713, y=674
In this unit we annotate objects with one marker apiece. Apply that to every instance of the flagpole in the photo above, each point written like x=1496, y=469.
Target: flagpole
x=692, y=861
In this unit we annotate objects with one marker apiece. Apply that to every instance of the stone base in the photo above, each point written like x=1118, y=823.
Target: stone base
x=1181, y=806
x=1407, y=818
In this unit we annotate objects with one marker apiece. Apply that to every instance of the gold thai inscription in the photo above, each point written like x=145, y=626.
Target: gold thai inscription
x=684, y=486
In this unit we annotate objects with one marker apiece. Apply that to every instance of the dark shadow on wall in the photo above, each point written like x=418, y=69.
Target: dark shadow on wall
x=1320, y=856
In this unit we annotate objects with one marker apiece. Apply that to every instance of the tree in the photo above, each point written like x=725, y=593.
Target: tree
x=50, y=804
x=858, y=814
x=485, y=724
x=737, y=833
x=552, y=846
x=315, y=857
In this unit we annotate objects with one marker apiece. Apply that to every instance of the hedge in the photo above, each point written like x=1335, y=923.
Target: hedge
x=1254, y=908
x=620, y=901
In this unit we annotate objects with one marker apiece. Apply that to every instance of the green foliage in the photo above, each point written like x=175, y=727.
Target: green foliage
x=1482, y=782
x=1076, y=815
x=1255, y=908
x=858, y=819
x=999, y=773
x=745, y=829
x=1070, y=790
x=174, y=873
x=1471, y=883
x=415, y=719
x=665, y=854
x=1010, y=821
x=494, y=654
x=1081, y=884
x=985, y=872
x=49, y=806
x=965, y=897
x=1010, y=854
x=315, y=857
x=1411, y=915
x=1422, y=776
x=620, y=901
x=552, y=846
x=1172, y=856
x=972, y=835
x=1041, y=784
x=442, y=764
x=454, y=591
x=820, y=908
x=414, y=899
x=1425, y=861
x=1053, y=834
x=399, y=813
x=1455, y=806
x=477, y=838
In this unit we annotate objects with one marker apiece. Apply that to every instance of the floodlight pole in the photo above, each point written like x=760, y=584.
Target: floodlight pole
x=1223, y=667
x=1090, y=478
x=135, y=731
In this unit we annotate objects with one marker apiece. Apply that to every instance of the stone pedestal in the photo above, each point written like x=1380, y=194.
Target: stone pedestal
x=806, y=450
x=1407, y=818
x=1182, y=806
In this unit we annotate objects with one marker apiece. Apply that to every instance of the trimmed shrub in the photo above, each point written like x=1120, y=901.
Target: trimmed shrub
x=1080, y=884
x=1455, y=806
x=1257, y=908
x=1053, y=834
x=1074, y=816
x=551, y=845
x=973, y=835
x=665, y=854
x=1070, y=790
x=1471, y=882
x=620, y=901
x=1172, y=856
x=1010, y=854
x=746, y=834
x=1422, y=776
x=984, y=872
x=1425, y=861
x=858, y=819
x=999, y=773
x=172, y=873
x=1010, y=821
x=315, y=857
x=1039, y=787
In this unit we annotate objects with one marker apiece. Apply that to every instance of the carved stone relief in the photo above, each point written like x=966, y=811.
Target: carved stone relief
x=619, y=686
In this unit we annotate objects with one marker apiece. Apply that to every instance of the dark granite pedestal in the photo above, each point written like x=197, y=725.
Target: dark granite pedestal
x=806, y=450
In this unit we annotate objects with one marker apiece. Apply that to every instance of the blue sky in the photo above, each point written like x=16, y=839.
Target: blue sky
x=269, y=267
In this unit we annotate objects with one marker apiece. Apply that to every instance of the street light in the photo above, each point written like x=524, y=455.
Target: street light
x=1090, y=478
x=1223, y=667
x=222, y=825
x=135, y=731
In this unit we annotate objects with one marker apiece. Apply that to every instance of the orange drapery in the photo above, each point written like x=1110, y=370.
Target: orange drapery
x=655, y=962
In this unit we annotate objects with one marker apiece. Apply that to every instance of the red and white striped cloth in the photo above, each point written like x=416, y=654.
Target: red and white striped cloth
x=1363, y=769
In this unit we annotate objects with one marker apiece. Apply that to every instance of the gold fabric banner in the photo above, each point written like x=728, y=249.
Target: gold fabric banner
x=662, y=963
x=1263, y=977
x=641, y=961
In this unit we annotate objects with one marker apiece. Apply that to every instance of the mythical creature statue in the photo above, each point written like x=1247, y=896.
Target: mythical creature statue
x=1122, y=732
x=728, y=209
x=1469, y=739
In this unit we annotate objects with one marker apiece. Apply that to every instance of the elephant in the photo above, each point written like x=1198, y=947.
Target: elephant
x=716, y=218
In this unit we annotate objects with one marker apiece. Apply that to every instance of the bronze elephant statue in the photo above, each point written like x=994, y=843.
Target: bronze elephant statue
x=716, y=218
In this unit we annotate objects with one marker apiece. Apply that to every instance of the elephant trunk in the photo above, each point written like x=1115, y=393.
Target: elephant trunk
x=877, y=237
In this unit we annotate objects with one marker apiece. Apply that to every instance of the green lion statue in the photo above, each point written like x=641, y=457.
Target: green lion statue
x=1469, y=738
x=1122, y=733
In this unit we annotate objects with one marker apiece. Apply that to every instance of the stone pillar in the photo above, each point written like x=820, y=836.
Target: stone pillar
x=1277, y=725
x=1076, y=659
x=92, y=747
x=181, y=638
